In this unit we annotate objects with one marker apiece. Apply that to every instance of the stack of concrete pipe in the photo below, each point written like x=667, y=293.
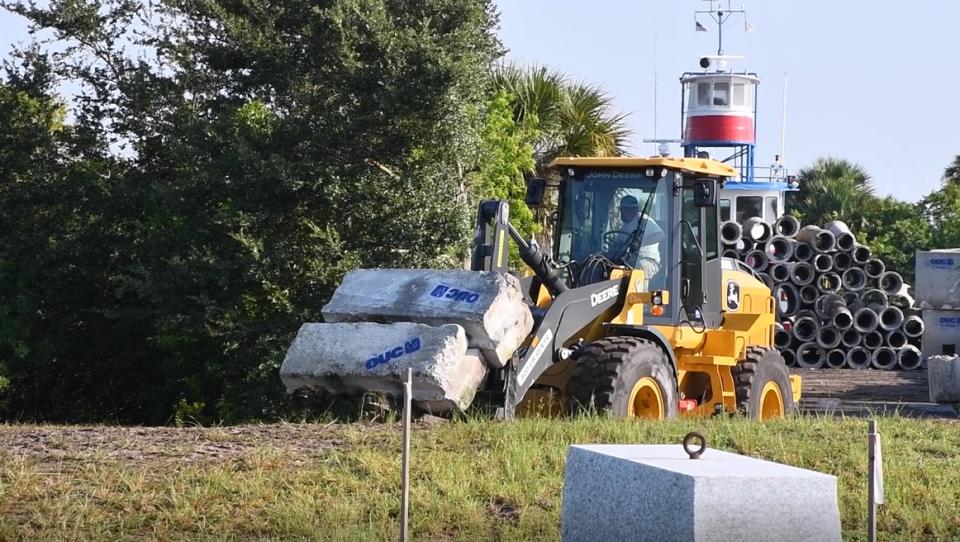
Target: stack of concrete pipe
x=838, y=307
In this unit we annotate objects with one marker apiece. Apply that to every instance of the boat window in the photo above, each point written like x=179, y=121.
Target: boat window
x=771, y=208
x=721, y=93
x=724, y=210
x=703, y=93
x=749, y=207
x=739, y=94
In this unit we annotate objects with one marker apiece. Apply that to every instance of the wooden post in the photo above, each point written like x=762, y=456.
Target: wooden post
x=871, y=482
x=405, y=483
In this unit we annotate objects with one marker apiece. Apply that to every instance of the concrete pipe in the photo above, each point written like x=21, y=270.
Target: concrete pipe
x=913, y=327
x=845, y=239
x=786, y=226
x=827, y=305
x=842, y=261
x=821, y=239
x=756, y=230
x=865, y=320
x=909, y=358
x=803, y=252
x=789, y=357
x=890, y=282
x=872, y=340
x=884, y=358
x=730, y=232
x=780, y=272
x=874, y=268
x=896, y=339
x=851, y=298
x=806, y=313
x=828, y=337
x=858, y=358
x=843, y=319
x=787, y=298
x=730, y=253
x=851, y=338
x=809, y=294
x=805, y=329
x=757, y=260
x=822, y=263
x=745, y=246
x=836, y=359
x=853, y=279
x=874, y=297
x=902, y=302
x=828, y=283
x=801, y=273
x=891, y=318
x=782, y=339
x=780, y=248
x=861, y=254
x=811, y=356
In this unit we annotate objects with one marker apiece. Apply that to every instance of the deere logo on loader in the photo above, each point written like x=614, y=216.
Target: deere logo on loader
x=604, y=295
x=733, y=295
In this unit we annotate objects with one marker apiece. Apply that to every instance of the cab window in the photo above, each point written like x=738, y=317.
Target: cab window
x=724, y=210
x=749, y=207
x=770, y=208
x=721, y=94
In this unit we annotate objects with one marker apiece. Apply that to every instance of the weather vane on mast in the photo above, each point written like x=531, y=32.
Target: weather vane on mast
x=720, y=16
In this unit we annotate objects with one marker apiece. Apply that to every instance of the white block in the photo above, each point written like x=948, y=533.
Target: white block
x=371, y=357
x=938, y=279
x=488, y=305
x=656, y=493
x=941, y=333
x=943, y=377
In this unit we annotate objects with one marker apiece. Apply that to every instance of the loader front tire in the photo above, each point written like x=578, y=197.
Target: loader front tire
x=762, y=385
x=626, y=377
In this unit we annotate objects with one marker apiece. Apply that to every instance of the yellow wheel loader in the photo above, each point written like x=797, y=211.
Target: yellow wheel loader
x=633, y=312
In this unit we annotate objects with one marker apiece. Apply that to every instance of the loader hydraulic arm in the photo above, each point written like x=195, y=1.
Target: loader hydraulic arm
x=491, y=250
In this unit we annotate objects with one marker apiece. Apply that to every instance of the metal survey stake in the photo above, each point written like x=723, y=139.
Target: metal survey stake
x=875, y=479
x=405, y=483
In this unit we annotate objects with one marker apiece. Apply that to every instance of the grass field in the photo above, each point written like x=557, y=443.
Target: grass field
x=473, y=480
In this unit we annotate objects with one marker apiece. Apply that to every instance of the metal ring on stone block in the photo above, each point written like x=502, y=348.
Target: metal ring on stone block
x=688, y=444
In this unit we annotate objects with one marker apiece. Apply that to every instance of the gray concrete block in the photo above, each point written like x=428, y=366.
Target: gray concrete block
x=371, y=357
x=943, y=377
x=941, y=333
x=488, y=305
x=938, y=279
x=656, y=493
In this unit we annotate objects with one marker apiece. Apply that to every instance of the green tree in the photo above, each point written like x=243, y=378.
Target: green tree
x=941, y=209
x=269, y=148
x=562, y=117
x=952, y=173
x=832, y=189
x=894, y=230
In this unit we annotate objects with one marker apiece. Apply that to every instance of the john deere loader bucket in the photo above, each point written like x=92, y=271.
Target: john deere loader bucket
x=448, y=326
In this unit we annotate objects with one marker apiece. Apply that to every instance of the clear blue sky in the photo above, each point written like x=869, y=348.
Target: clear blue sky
x=872, y=82
x=875, y=83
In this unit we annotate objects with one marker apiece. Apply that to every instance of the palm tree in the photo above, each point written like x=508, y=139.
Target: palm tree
x=833, y=189
x=561, y=117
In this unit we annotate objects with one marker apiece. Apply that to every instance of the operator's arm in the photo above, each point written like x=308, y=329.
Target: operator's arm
x=652, y=233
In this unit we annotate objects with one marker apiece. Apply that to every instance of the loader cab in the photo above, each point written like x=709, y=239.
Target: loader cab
x=679, y=231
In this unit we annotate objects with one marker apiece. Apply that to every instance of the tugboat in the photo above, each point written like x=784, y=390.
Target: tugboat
x=718, y=120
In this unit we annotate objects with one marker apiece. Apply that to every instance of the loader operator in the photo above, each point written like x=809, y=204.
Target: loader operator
x=647, y=257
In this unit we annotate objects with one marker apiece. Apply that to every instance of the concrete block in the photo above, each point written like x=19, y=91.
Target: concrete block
x=371, y=357
x=941, y=333
x=656, y=493
x=943, y=376
x=488, y=305
x=938, y=279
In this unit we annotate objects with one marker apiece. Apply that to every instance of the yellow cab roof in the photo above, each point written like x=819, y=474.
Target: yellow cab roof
x=701, y=166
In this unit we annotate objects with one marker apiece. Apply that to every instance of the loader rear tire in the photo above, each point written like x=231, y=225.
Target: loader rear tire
x=762, y=385
x=626, y=377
